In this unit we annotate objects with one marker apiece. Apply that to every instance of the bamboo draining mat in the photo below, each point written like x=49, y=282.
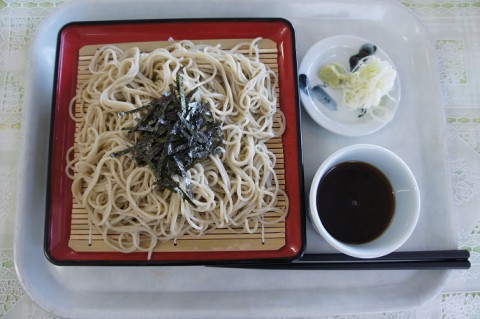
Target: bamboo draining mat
x=218, y=239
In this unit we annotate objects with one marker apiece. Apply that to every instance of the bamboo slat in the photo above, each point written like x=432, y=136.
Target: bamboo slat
x=84, y=239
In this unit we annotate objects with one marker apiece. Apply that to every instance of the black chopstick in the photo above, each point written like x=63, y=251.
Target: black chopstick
x=438, y=259
x=428, y=255
x=405, y=265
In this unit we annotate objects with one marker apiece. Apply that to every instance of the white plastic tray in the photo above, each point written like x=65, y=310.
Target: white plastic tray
x=416, y=135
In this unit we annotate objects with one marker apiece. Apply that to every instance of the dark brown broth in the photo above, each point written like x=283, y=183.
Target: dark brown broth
x=355, y=202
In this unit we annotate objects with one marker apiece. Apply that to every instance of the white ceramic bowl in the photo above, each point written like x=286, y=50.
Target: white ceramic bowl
x=407, y=200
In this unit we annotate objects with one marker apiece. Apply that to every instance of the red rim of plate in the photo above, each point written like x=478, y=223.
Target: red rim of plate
x=74, y=36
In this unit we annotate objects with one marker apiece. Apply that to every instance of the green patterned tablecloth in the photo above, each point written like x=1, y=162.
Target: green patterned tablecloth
x=455, y=29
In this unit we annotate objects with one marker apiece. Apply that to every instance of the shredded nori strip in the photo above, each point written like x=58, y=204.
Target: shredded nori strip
x=173, y=135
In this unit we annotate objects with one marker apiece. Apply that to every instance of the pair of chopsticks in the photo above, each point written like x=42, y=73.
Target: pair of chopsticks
x=402, y=260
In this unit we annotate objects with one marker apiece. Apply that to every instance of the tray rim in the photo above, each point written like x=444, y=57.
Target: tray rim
x=290, y=253
x=32, y=290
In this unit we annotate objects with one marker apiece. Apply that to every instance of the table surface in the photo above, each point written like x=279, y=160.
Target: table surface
x=454, y=26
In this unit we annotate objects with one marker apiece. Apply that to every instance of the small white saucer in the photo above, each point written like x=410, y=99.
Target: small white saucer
x=339, y=49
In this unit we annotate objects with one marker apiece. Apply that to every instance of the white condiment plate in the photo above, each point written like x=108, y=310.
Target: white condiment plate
x=339, y=49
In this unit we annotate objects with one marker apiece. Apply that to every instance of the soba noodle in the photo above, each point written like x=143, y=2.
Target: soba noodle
x=231, y=190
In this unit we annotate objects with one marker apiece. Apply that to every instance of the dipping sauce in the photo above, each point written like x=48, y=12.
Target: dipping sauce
x=355, y=202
